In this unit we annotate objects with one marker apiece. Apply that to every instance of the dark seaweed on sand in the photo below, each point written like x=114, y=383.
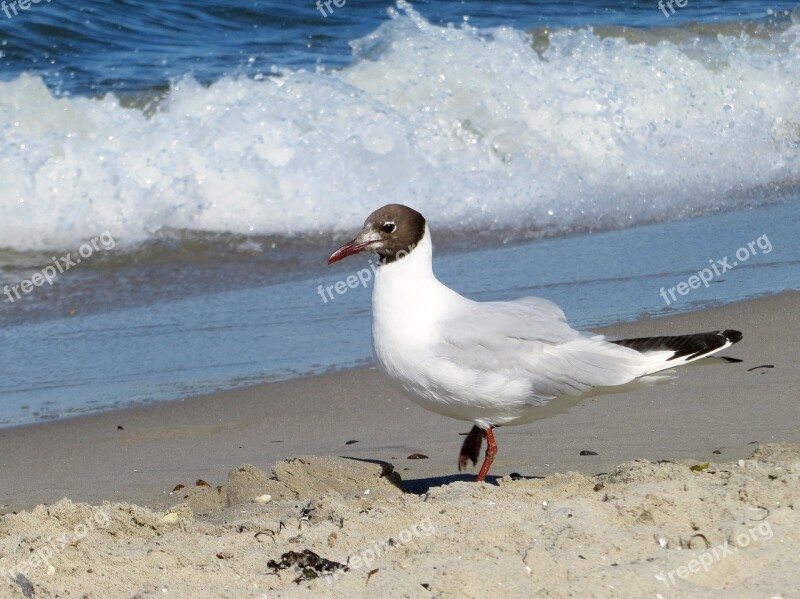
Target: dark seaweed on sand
x=307, y=563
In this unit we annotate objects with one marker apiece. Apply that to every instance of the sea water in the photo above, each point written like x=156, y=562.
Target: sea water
x=593, y=153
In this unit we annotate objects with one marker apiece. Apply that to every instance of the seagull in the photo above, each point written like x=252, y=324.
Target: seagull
x=492, y=363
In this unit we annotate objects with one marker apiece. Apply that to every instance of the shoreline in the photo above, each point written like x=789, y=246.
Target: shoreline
x=710, y=406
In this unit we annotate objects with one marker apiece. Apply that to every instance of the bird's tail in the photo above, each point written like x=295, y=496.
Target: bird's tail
x=668, y=352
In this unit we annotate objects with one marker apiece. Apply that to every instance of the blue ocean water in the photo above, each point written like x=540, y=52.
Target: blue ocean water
x=99, y=46
x=226, y=148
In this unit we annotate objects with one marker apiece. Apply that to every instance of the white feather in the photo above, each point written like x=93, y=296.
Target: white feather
x=490, y=363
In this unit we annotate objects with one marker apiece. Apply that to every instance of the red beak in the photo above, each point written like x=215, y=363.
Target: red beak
x=348, y=249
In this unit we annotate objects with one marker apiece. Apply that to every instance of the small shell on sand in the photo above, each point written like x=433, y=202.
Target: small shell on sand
x=171, y=518
x=262, y=499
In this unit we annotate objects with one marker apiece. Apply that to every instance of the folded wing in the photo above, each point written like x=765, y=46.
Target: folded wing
x=529, y=341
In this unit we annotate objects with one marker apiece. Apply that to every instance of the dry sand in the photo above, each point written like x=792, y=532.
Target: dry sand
x=642, y=529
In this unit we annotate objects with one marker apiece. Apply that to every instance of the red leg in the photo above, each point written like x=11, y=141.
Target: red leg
x=491, y=451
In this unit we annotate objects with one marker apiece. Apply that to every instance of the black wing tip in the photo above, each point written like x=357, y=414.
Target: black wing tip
x=732, y=335
x=688, y=347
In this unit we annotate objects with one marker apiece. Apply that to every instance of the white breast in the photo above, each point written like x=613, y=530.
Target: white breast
x=408, y=305
x=404, y=304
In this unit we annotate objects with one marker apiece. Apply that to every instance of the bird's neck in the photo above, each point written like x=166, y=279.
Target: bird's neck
x=415, y=266
x=407, y=283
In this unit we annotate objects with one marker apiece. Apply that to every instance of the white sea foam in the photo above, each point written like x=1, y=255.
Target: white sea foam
x=474, y=128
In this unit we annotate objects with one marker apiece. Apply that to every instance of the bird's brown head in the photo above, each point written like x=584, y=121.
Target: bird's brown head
x=391, y=232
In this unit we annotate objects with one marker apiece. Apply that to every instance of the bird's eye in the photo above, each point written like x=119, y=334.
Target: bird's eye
x=388, y=227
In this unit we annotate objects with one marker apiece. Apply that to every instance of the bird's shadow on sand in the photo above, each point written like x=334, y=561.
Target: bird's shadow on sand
x=418, y=486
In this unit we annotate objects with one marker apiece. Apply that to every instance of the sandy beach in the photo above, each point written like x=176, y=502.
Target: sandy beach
x=669, y=474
